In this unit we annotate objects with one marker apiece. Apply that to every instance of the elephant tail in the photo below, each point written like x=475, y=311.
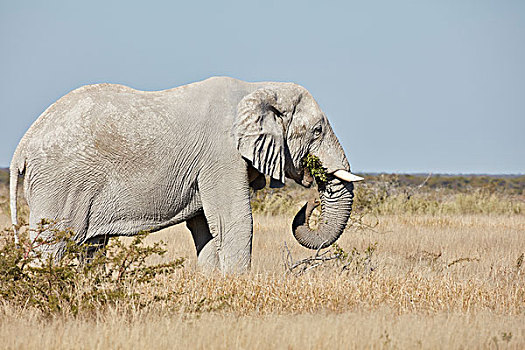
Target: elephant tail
x=15, y=169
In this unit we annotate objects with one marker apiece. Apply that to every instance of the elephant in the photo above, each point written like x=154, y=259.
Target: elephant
x=108, y=160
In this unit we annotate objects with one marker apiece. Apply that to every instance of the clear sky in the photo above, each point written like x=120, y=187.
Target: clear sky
x=409, y=86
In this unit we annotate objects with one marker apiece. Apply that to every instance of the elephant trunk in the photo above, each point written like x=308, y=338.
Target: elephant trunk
x=336, y=205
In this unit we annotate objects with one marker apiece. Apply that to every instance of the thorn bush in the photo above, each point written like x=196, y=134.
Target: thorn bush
x=74, y=283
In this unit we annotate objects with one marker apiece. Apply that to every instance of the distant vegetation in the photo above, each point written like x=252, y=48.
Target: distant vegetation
x=4, y=176
x=411, y=194
x=508, y=184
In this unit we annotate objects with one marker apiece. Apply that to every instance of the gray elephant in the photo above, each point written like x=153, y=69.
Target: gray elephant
x=108, y=160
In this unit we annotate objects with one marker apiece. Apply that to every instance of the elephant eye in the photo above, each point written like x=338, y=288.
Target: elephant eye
x=318, y=130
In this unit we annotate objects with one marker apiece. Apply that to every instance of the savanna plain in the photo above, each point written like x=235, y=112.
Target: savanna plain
x=425, y=262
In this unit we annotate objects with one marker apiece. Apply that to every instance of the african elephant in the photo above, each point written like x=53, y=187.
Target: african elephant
x=108, y=160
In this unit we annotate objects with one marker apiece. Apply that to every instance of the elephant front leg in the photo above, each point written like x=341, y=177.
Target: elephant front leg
x=226, y=203
x=207, y=253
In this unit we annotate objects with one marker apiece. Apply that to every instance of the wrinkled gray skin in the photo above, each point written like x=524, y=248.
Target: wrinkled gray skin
x=108, y=160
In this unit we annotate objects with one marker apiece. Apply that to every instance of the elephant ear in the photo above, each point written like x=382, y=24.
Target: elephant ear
x=259, y=131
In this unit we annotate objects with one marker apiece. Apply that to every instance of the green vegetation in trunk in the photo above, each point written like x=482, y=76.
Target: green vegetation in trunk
x=316, y=169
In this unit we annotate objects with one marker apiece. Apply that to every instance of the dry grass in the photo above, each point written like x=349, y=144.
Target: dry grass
x=433, y=282
x=372, y=329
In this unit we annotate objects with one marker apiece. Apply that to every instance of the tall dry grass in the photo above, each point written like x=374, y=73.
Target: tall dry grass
x=375, y=329
x=433, y=282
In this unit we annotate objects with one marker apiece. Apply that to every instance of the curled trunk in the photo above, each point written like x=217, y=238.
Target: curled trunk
x=336, y=206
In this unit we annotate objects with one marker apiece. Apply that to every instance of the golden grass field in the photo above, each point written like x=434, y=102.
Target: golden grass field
x=446, y=281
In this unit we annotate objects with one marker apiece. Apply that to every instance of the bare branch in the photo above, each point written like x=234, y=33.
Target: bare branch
x=301, y=266
x=424, y=182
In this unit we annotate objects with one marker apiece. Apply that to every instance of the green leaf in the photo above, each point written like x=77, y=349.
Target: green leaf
x=316, y=169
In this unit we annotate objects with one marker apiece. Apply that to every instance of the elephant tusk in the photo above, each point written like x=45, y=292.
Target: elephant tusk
x=346, y=176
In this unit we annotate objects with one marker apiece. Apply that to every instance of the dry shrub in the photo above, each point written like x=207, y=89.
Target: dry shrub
x=73, y=283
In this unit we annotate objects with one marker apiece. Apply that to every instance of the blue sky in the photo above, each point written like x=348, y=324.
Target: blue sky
x=409, y=86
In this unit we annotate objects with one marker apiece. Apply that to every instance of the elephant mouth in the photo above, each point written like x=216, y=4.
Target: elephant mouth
x=301, y=176
x=307, y=178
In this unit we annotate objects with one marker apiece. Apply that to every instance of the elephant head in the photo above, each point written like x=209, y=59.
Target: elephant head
x=275, y=128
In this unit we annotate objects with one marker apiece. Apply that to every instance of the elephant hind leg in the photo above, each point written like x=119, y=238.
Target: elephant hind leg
x=93, y=245
x=208, y=258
